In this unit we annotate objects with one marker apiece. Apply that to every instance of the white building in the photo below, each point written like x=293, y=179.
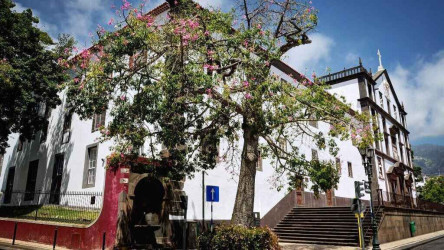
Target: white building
x=69, y=157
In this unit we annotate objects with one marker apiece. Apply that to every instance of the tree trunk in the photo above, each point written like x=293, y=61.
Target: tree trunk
x=244, y=204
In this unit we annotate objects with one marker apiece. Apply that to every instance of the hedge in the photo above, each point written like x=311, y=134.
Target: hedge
x=238, y=237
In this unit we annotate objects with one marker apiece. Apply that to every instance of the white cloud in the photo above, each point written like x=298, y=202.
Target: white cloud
x=51, y=29
x=211, y=3
x=309, y=57
x=421, y=88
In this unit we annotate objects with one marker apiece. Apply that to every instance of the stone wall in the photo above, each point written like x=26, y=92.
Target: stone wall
x=396, y=223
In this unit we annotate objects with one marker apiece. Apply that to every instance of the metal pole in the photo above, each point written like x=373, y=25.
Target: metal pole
x=361, y=231
x=211, y=222
x=375, y=241
x=203, y=200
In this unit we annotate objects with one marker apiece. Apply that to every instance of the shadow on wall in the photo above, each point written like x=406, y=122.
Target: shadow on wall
x=45, y=152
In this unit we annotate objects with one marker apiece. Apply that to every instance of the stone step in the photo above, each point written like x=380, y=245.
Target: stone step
x=319, y=242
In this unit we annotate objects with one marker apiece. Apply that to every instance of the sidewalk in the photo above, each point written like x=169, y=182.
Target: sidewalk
x=413, y=242
x=400, y=244
x=7, y=244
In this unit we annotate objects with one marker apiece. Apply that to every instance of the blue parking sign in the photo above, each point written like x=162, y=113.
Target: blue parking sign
x=212, y=193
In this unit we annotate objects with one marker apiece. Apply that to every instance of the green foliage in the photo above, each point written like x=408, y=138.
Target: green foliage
x=238, y=237
x=433, y=190
x=417, y=172
x=29, y=73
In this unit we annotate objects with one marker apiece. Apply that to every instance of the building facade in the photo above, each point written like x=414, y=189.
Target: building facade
x=68, y=157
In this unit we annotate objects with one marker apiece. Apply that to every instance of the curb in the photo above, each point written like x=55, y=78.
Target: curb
x=416, y=243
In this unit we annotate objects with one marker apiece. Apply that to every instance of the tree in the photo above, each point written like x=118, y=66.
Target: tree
x=192, y=80
x=417, y=172
x=433, y=190
x=29, y=73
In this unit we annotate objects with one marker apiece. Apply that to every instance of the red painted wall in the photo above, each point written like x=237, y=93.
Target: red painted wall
x=75, y=237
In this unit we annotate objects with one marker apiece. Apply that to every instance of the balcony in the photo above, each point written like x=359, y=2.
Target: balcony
x=388, y=199
x=344, y=73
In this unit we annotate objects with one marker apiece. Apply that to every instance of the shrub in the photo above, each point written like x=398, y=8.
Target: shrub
x=238, y=237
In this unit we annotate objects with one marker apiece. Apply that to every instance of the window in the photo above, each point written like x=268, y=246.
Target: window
x=31, y=180
x=350, y=169
x=1, y=163
x=386, y=144
x=9, y=185
x=91, y=166
x=380, y=168
x=131, y=61
x=381, y=100
x=388, y=107
x=314, y=155
x=259, y=162
x=67, y=127
x=394, y=112
x=394, y=148
x=57, y=176
x=282, y=146
x=20, y=143
x=98, y=121
x=338, y=165
x=370, y=92
x=312, y=122
x=44, y=133
x=384, y=125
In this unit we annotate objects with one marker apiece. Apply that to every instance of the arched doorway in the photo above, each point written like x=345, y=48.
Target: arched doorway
x=146, y=211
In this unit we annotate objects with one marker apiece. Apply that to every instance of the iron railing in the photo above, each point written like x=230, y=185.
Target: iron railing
x=343, y=73
x=388, y=199
x=70, y=207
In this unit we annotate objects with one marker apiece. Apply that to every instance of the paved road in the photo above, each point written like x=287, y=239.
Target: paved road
x=436, y=244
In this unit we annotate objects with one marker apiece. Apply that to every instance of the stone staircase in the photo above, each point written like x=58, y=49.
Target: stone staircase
x=323, y=226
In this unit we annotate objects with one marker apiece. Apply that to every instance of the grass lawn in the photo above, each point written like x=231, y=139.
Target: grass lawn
x=62, y=214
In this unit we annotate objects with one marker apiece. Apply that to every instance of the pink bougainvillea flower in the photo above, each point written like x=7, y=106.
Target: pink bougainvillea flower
x=111, y=21
x=246, y=84
x=122, y=97
x=76, y=79
x=207, y=33
x=126, y=5
x=267, y=63
x=248, y=96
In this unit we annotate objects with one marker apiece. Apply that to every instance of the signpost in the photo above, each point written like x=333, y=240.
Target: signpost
x=212, y=196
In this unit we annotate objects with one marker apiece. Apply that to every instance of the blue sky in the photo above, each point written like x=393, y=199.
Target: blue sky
x=409, y=34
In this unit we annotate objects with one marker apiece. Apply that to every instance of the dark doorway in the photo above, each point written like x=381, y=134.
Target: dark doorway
x=147, y=202
x=31, y=180
x=56, y=183
x=9, y=185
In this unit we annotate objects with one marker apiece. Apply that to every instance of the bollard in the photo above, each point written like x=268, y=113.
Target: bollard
x=55, y=238
x=103, y=240
x=15, y=233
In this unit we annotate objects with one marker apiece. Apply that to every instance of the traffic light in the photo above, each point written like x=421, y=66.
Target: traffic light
x=367, y=187
x=358, y=189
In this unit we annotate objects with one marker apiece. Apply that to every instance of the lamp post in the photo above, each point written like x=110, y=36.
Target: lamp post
x=367, y=155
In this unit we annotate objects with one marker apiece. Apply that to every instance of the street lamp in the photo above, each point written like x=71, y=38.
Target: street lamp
x=367, y=155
